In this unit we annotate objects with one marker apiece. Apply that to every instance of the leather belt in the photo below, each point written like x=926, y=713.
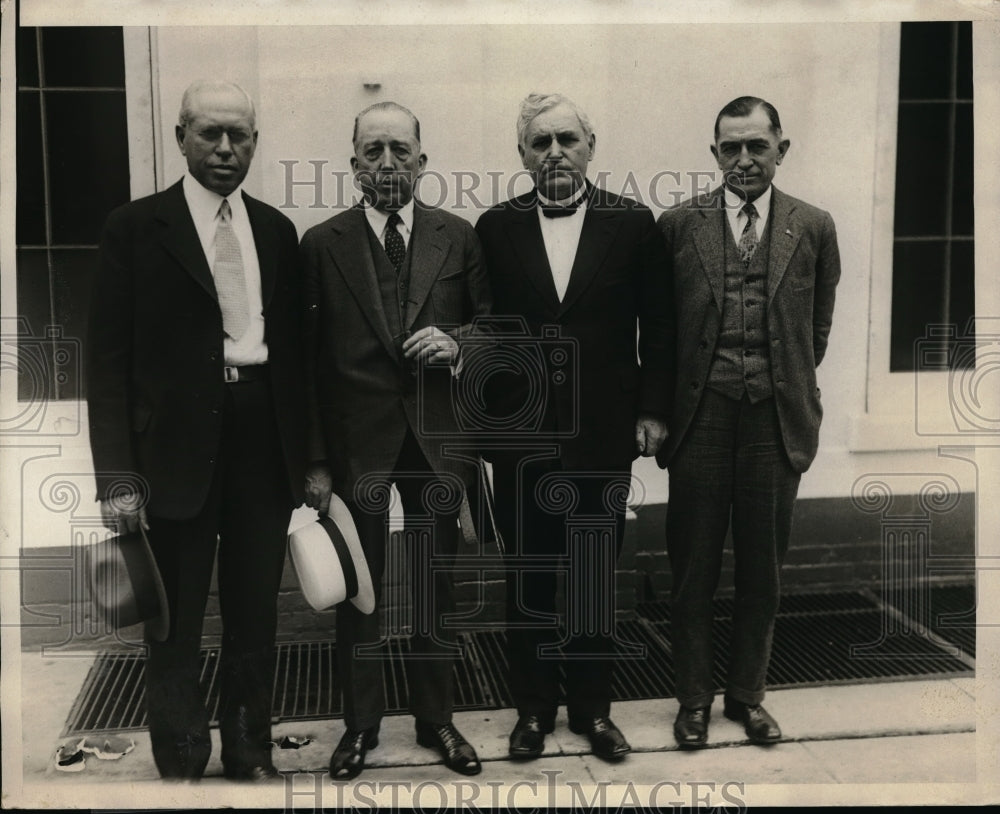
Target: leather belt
x=244, y=373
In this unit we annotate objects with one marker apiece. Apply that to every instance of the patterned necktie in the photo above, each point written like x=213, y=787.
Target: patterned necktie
x=748, y=240
x=230, y=283
x=395, y=248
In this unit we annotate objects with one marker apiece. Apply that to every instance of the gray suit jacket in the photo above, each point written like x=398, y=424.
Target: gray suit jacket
x=803, y=270
x=362, y=399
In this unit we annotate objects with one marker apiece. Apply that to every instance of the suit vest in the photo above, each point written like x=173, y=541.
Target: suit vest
x=741, y=362
x=394, y=289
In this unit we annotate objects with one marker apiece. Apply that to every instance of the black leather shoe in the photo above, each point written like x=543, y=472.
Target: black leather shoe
x=458, y=754
x=691, y=727
x=758, y=724
x=348, y=759
x=606, y=739
x=252, y=774
x=527, y=739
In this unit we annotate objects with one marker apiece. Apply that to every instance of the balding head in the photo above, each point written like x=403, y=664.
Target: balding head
x=208, y=91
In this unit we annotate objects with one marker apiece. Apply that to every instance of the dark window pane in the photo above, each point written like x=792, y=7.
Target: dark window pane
x=35, y=378
x=72, y=281
x=88, y=166
x=83, y=57
x=963, y=289
x=963, y=208
x=27, y=57
x=917, y=286
x=30, y=212
x=965, y=60
x=922, y=159
x=925, y=61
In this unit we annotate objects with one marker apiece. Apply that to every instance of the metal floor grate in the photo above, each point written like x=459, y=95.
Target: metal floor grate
x=819, y=639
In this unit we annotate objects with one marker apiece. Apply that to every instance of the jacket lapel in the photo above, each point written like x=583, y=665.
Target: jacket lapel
x=598, y=233
x=785, y=236
x=526, y=236
x=266, y=241
x=180, y=238
x=351, y=254
x=428, y=250
x=711, y=250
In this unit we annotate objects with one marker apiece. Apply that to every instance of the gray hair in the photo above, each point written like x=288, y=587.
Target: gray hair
x=386, y=106
x=537, y=103
x=200, y=85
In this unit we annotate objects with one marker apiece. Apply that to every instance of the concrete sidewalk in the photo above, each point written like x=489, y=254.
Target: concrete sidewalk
x=861, y=742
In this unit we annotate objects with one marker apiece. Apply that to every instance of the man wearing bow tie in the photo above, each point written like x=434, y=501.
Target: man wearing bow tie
x=755, y=273
x=391, y=288
x=582, y=269
x=196, y=404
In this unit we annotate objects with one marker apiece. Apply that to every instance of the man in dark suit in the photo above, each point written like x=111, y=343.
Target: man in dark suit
x=392, y=286
x=196, y=410
x=581, y=268
x=755, y=272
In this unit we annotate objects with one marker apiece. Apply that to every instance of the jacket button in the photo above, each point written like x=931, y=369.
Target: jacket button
x=703, y=344
x=694, y=385
x=213, y=356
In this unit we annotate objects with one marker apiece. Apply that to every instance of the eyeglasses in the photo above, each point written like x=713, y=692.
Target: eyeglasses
x=213, y=135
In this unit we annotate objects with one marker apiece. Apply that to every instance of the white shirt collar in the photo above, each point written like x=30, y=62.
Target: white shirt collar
x=576, y=196
x=204, y=203
x=378, y=219
x=734, y=204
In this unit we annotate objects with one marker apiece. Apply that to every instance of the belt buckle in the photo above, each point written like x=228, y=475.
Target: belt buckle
x=230, y=373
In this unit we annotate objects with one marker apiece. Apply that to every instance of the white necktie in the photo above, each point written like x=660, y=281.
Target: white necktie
x=230, y=282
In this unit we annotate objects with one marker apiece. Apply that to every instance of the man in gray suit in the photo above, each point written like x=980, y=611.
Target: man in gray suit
x=391, y=288
x=755, y=273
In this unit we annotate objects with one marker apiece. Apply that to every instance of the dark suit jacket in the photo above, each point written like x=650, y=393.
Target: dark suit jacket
x=803, y=270
x=618, y=282
x=155, y=384
x=363, y=397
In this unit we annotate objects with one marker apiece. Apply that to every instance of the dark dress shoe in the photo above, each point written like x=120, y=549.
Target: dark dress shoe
x=252, y=774
x=758, y=724
x=691, y=727
x=527, y=739
x=348, y=759
x=606, y=740
x=458, y=754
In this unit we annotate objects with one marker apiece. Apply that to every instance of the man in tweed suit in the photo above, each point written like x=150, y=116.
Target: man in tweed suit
x=755, y=272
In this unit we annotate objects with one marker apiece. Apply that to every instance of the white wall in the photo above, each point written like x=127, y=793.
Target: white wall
x=652, y=92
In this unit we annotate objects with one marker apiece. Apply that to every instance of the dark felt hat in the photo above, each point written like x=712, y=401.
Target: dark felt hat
x=125, y=584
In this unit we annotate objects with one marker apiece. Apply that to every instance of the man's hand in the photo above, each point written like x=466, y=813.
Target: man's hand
x=124, y=513
x=319, y=487
x=650, y=433
x=431, y=344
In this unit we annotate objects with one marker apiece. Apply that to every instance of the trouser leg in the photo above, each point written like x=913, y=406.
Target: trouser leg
x=764, y=497
x=698, y=515
x=255, y=514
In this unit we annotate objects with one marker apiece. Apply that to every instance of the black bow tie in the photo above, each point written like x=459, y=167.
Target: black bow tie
x=554, y=210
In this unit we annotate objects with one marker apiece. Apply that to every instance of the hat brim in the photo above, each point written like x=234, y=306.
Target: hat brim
x=318, y=566
x=126, y=586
